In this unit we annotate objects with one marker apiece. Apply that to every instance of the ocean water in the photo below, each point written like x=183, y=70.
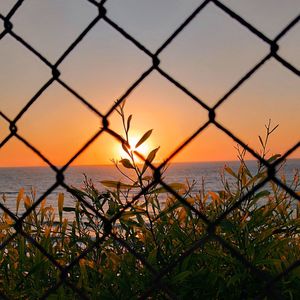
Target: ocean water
x=42, y=178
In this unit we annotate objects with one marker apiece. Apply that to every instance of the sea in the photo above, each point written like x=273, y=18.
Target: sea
x=40, y=179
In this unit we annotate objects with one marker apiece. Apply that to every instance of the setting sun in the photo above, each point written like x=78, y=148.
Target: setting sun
x=142, y=149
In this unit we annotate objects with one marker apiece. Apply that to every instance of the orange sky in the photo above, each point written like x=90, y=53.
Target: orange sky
x=208, y=58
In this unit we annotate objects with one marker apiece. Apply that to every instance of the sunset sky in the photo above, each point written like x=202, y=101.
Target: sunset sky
x=208, y=57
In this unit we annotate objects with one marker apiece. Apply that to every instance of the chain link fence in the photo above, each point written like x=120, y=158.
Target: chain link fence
x=157, y=274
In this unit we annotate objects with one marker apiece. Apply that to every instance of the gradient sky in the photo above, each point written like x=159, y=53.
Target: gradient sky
x=208, y=57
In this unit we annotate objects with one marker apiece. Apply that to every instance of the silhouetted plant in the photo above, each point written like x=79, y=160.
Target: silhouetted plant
x=159, y=229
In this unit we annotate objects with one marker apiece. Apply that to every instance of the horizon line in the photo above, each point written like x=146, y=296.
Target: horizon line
x=111, y=165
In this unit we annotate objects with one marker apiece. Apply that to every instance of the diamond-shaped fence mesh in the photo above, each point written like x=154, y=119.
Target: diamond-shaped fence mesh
x=157, y=285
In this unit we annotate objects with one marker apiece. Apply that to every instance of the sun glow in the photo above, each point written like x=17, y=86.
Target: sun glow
x=142, y=149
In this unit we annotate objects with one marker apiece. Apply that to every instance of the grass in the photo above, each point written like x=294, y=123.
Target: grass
x=154, y=248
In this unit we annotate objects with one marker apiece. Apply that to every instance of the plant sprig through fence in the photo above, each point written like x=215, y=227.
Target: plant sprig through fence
x=218, y=228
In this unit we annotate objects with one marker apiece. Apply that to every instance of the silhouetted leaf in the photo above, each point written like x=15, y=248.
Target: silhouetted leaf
x=128, y=122
x=274, y=128
x=126, y=163
x=126, y=148
x=261, y=141
x=262, y=194
x=144, y=138
x=149, y=159
x=20, y=196
x=230, y=171
x=116, y=184
x=60, y=204
x=176, y=186
x=273, y=158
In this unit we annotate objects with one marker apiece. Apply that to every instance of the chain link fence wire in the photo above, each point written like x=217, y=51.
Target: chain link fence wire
x=157, y=282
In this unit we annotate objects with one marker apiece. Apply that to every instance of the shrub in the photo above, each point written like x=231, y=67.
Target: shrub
x=157, y=244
